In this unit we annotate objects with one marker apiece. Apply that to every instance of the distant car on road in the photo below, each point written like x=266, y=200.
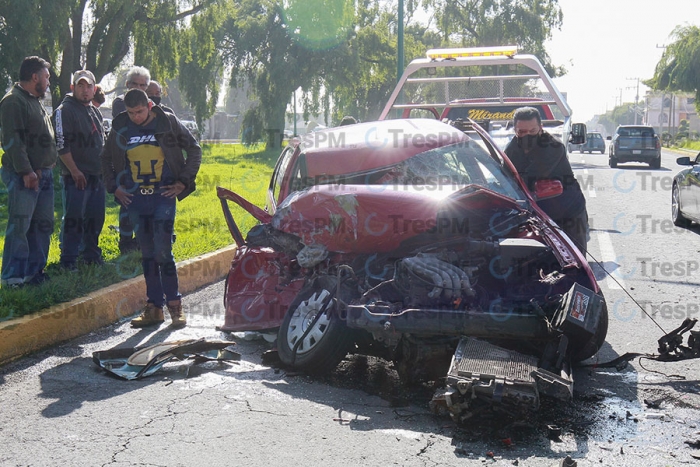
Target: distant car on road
x=685, y=195
x=635, y=143
x=594, y=142
x=194, y=129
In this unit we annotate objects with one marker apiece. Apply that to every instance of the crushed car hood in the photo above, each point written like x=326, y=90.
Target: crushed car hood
x=375, y=219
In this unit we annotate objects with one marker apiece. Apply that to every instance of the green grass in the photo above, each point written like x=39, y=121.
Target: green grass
x=695, y=145
x=199, y=225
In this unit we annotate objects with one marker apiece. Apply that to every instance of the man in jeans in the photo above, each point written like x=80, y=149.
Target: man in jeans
x=138, y=77
x=79, y=139
x=30, y=154
x=150, y=160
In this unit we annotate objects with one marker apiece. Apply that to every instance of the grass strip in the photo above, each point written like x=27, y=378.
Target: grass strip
x=200, y=228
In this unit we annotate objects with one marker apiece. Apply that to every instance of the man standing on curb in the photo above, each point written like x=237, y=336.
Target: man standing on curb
x=79, y=139
x=30, y=155
x=150, y=160
x=138, y=77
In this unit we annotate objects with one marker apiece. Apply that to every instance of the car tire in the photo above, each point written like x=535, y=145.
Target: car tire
x=677, y=216
x=594, y=344
x=602, y=151
x=612, y=162
x=326, y=344
x=656, y=163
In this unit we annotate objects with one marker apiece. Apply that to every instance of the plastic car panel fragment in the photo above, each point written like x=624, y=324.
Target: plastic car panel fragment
x=133, y=363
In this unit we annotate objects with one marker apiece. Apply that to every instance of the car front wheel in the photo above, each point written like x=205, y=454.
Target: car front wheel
x=656, y=163
x=676, y=214
x=613, y=162
x=328, y=339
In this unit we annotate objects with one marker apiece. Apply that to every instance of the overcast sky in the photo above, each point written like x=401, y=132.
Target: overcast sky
x=607, y=44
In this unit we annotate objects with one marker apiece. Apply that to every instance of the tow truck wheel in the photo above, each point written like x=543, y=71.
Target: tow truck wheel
x=324, y=346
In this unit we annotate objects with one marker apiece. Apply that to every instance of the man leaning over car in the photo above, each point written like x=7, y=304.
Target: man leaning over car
x=537, y=155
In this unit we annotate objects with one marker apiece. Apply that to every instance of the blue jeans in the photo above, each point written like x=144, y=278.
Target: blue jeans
x=153, y=218
x=83, y=219
x=29, y=227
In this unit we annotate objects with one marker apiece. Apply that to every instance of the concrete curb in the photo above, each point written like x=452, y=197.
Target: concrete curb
x=27, y=334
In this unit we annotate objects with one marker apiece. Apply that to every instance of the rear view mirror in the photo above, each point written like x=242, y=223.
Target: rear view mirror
x=578, y=133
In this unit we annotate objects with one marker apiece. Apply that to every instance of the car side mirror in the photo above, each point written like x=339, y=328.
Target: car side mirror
x=685, y=160
x=578, y=133
x=548, y=189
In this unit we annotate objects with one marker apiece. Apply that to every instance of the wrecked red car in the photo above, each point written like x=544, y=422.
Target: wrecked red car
x=415, y=241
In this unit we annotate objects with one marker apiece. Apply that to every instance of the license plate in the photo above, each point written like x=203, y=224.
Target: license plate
x=636, y=151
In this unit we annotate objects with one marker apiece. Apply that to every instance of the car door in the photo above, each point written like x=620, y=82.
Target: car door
x=690, y=191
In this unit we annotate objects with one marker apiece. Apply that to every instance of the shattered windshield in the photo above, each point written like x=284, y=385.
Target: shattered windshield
x=454, y=166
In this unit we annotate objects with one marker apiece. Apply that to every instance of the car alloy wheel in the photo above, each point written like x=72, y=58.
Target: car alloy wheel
x=676, y=214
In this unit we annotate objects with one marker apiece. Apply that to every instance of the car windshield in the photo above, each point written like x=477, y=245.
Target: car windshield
x=453, y=167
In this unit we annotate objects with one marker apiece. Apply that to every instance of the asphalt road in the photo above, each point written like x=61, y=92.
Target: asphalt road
x=58, y=408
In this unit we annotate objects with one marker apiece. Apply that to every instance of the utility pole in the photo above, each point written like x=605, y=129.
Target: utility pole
x=636, y=99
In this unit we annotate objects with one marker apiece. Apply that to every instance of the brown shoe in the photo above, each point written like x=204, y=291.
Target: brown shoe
x=176, y=314
x=150, y=316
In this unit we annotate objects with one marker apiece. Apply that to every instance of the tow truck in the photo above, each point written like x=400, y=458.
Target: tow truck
x=485, y=85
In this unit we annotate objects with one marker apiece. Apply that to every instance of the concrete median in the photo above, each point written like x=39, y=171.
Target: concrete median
x=27, y=334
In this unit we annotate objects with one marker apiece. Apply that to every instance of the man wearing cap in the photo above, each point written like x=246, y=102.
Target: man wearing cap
x=79, y=140
x=30, y=154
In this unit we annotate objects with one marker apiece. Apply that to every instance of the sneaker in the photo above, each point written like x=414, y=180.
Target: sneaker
x=39, y=278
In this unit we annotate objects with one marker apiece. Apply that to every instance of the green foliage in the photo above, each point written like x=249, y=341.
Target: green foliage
x=252, y=127
x=679, y=67
x=620, y=115
x=525, y=23
x=277, y=58
x=199, y=225
x=99, y=34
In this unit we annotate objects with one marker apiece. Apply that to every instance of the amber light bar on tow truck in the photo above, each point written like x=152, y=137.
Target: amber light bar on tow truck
x=504, y=51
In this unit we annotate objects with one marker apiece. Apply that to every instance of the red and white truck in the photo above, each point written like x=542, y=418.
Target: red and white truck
x=484, y=84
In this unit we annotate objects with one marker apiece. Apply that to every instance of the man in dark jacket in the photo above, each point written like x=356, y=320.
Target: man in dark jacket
x=150, y=160
x=138, y=77
x=79, y=139
x=537, y=155
x=30, y=155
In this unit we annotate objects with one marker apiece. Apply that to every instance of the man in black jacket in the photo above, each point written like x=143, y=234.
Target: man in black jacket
x=79, y=140
x=150, y=160
x=537, y=155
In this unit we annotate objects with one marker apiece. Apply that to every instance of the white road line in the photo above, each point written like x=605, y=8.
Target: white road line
x=609, y=261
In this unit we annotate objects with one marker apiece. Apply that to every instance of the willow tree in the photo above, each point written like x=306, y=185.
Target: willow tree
x=281, y=46
x=525, y=23
x=679, y=67
x=97, y=35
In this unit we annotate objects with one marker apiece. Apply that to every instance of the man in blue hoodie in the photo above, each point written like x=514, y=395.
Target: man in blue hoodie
x=79, y=140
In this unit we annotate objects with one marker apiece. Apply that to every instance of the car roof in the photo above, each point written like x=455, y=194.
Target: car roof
x=372, y=145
